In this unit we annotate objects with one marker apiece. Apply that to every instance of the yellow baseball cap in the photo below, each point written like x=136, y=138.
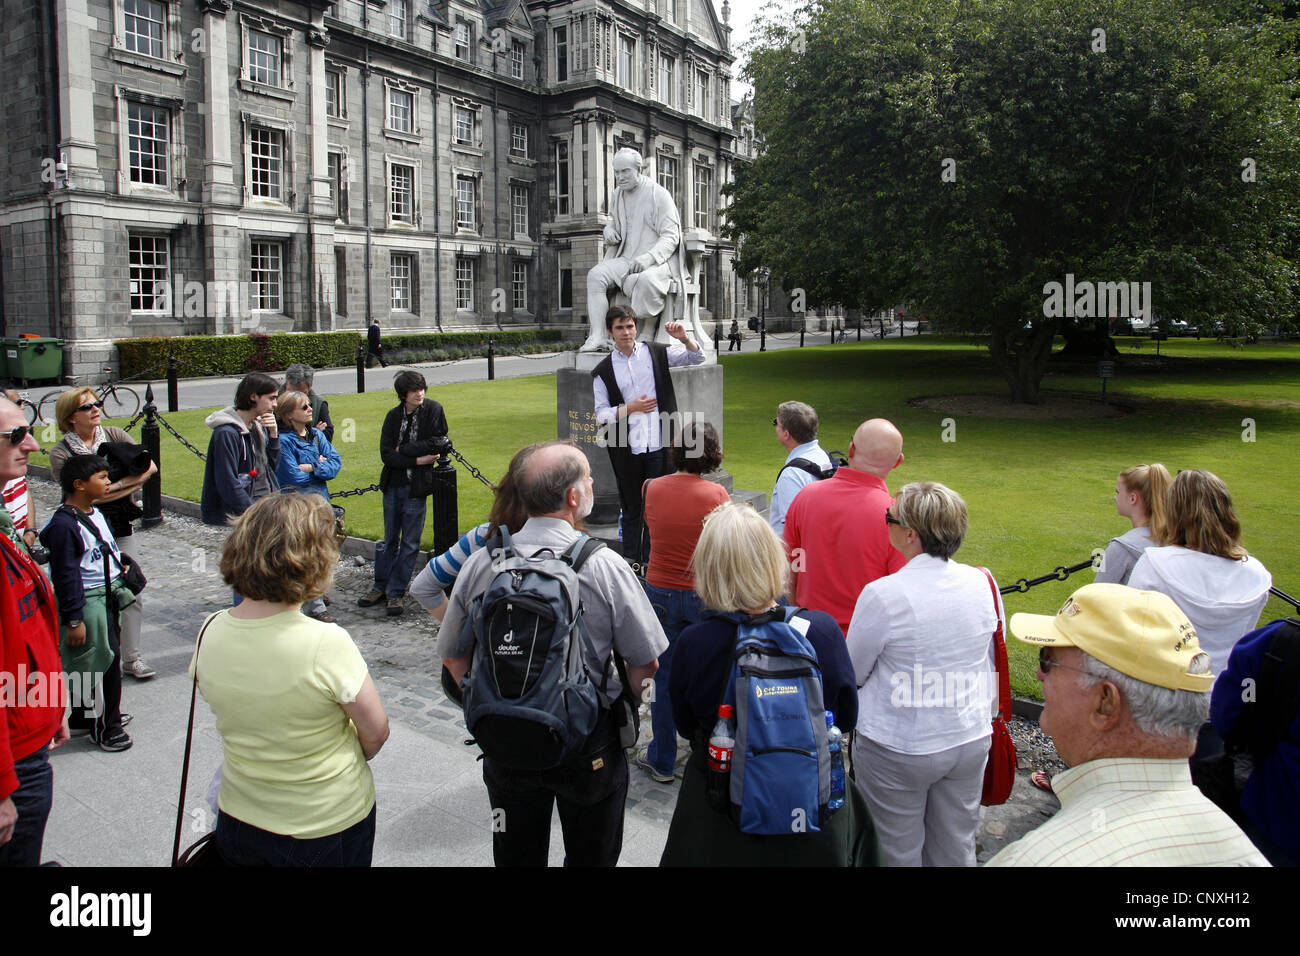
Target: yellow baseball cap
x=1139, y=633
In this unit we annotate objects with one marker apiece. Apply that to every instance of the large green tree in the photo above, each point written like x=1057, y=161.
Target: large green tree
x=958, y=156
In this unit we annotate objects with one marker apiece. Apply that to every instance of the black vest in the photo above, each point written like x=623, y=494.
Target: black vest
x=663, y=387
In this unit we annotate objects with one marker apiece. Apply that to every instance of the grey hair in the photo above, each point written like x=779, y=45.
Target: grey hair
x=544, y=492
x=627, y=152
x=936, y=513
x=1157, y=711
x=799, y=420
x=299, y=374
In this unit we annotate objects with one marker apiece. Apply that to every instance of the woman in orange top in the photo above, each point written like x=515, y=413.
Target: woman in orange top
x=675, y=507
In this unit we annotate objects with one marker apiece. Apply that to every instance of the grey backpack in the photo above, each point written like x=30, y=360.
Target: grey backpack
x=529, y=698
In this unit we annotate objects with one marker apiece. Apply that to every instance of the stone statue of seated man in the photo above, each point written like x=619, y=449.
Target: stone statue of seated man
x=643, y=255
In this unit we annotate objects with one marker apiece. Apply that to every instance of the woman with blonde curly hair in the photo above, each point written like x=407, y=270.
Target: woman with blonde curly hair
x=1201, y=564
x=298, y=713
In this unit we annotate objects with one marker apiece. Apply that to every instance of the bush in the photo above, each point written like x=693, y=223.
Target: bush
x=200, y=355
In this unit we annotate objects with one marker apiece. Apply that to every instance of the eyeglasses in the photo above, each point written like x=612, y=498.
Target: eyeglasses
x=1045, y=664
x=18, y=434
x=89, y=405
x=890, y=519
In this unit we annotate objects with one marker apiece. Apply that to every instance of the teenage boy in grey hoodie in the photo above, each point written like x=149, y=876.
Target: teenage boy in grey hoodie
x=243, y=451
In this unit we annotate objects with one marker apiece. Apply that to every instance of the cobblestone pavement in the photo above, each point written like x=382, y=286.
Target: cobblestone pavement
x=119, y=809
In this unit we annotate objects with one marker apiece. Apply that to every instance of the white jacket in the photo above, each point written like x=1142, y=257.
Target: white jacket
x=1222, y=598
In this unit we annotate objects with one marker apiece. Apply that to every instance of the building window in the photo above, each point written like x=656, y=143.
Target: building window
x=464, y=126
x=519, y=209
x=667, y=170
x=401, y=271
x=149, y=261
x=519, y=139
x=463, y=40
x=401, y=111
x=667, y=65
x=263, y=58
x=703, y=196
x=266, y=163
x=465, y=284
x=268, y=277
x=399, y=14
x=144, y=27
x=340, y=280
x=519, y=286
x=401, y=193
x=333, y=93
x=704, y=284
x=517, y=51
x=626, y=59
x=672, y=10
x=466, y=201
x=561, y=54
x=338, y=188
x=148, y=143
x=562, y=179
x=565, y=263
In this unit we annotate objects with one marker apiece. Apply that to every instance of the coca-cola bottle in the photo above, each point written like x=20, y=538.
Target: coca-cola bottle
x=722, y=746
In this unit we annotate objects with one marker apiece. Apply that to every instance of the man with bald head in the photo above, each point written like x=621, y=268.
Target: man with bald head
x=554, y=483
x=31, y=689
x=835, y=529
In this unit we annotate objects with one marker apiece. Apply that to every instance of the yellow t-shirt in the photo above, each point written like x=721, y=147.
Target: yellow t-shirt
x=293, y=763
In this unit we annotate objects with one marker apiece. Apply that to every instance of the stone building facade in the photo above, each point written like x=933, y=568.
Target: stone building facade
x=174, y=167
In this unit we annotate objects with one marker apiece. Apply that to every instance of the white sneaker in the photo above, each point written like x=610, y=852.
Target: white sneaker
x=138, y=669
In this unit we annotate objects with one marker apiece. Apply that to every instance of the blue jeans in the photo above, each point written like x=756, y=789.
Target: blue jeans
x=676, y=610
x=242, y=844
x=32, y=800
x=403, y=524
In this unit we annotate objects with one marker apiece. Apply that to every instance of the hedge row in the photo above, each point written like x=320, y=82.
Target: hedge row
x=200, y=355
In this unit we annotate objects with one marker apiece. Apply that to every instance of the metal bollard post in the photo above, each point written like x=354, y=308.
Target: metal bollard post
x=492, y=366
x=717, y=336
x=802, y=329
x=173, y=386
x=445, y=522
x=762, y=335
x=361, y=369
x=859, y=329
x=152, y=437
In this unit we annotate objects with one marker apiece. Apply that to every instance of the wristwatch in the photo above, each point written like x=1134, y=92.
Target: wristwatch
x=73, y=625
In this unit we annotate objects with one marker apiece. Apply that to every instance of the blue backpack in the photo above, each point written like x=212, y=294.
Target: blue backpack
x=781, y=769
x=529, y=697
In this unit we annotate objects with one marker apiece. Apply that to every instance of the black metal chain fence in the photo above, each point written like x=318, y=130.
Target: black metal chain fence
x=1060, y=574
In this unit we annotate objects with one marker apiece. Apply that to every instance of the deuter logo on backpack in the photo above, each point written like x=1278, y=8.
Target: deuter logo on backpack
x=529, y=698
x=781, y=768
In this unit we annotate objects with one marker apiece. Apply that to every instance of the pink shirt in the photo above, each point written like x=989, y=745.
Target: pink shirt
x=838, y=543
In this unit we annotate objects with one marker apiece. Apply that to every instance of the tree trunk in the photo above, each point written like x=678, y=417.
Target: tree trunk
x=1087, y=339
x=1022, y=363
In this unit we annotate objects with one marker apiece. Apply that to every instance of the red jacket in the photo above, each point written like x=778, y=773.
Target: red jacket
x=32, y=696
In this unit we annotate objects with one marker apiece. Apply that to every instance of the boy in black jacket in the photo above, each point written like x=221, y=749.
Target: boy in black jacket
x=413, y=433
x=243, y=452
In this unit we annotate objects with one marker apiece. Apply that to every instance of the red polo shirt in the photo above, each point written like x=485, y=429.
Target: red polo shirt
x=838, y=543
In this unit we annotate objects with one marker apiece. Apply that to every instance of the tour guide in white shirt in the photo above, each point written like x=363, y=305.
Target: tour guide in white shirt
x=634, y=427
x=1126, y=688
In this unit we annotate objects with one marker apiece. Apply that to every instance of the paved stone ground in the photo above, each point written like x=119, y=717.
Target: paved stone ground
x=120, y=809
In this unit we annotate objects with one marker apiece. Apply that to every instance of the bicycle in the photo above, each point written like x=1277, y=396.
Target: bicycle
x=119, y=400
x=30, y=410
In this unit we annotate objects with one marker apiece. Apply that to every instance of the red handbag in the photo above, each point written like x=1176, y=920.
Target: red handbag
x=1000, y=771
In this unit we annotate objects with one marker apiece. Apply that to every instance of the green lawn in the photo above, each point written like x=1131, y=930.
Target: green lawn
x=1040, y=493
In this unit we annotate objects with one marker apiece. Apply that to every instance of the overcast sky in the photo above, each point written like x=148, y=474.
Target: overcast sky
x=742, y=19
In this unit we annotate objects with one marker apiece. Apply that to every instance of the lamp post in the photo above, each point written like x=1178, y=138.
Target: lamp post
x=764, y=274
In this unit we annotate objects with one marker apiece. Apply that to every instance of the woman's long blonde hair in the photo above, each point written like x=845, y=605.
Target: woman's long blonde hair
x=1201, y=516
x=1152, y=483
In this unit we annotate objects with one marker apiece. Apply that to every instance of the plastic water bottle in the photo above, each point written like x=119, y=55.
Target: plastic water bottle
x=722, y=747
x=834, y=743
x=620, y=526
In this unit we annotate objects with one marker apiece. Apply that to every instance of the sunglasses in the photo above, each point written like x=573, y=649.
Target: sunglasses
x=89, y=405
x=1045, y=664
x=18, y=434
x=890, y=519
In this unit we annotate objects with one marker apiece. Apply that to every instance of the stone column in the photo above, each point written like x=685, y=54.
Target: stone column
x=223, y=245
x=322, y=284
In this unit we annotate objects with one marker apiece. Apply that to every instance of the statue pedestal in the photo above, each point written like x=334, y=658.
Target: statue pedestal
x=699, y=395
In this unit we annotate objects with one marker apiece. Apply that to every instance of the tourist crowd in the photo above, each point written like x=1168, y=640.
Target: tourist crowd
x=1142, y=671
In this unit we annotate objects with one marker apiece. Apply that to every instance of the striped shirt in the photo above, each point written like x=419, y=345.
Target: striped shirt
x=1131, y=811
x=15, y=495
x=441, y=572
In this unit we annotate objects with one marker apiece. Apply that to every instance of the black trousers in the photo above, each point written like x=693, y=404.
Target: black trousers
x=631, y=472
x=108, y=698
x=591, y=793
